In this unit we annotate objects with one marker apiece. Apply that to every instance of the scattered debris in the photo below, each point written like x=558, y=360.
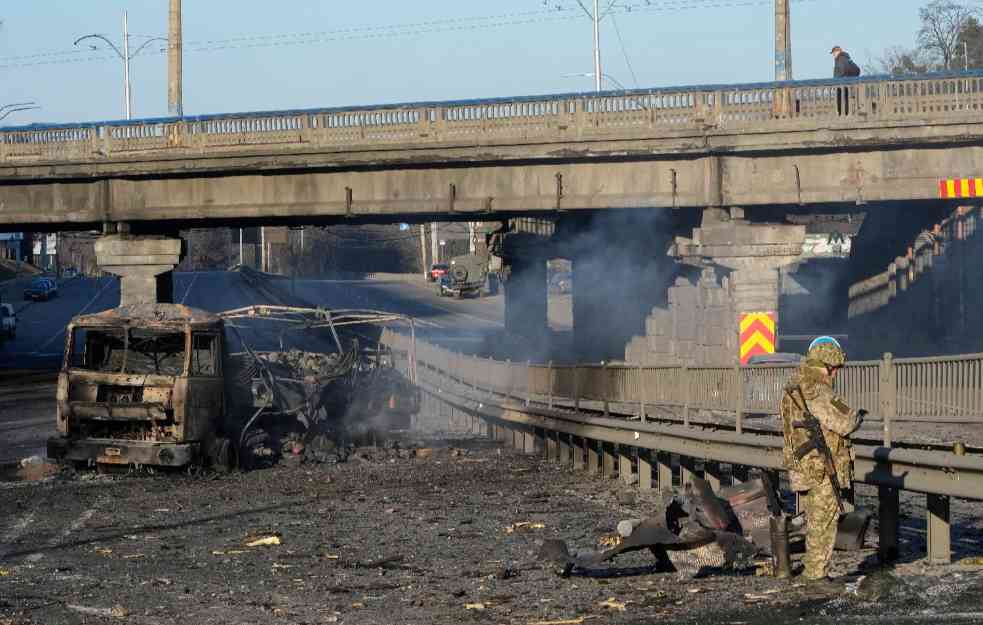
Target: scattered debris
x=474, y=606
x=612, y=604
x=267, y=541
x=524, y=525
x=880, y=585
x=116, y=611
x=626, y=527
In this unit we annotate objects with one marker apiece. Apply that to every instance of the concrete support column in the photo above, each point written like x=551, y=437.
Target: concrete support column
x=525, y=297
x=756, y=289
x=645, y=469
x=144, y=264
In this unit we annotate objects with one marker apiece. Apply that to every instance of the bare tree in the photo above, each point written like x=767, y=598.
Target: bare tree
x=942, y=23
x=900, y=61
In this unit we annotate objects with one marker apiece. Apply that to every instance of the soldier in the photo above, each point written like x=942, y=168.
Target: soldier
x=811, y=389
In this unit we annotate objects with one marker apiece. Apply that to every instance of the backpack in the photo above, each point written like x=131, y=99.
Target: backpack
x=852, y=69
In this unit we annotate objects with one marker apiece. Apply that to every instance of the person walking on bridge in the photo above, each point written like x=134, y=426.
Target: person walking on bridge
x=819, y=468
x=843, y=67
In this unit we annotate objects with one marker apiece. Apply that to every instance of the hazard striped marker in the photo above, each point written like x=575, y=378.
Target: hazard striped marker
x=958, y=188
x=757, y=335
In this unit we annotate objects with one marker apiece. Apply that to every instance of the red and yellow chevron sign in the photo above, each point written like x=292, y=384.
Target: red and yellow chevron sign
x=958, y=188
x=757, y=335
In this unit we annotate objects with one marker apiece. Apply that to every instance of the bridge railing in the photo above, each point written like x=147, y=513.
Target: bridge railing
x=559, y=117
x=943, y=389
x=921, y=257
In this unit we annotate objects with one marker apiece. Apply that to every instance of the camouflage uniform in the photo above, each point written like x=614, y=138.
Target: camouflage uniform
x=838, y=421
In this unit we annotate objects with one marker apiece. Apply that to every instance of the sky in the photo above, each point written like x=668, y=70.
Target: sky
x=247, y=55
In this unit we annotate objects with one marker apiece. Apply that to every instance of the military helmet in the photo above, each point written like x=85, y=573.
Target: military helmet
x=828, y=351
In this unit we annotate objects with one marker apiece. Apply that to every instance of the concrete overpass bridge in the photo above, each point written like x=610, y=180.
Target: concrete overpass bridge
x=734, y=152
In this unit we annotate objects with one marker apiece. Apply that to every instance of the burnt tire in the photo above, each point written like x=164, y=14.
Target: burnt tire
x=222, y=456
x=460, y=273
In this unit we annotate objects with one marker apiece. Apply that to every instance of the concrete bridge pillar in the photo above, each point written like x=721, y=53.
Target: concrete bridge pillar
x=525, y=297
x=145, y=265
x=754, y=253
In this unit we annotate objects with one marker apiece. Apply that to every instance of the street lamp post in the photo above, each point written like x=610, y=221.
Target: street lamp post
x=124, y=56
x=9, y=109
x=607, y=77
x=597, y=47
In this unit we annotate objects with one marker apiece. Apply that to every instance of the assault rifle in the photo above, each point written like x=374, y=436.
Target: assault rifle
x=817, y=441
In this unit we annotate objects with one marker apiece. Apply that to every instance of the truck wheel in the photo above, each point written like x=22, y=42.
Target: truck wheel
x=222, y=456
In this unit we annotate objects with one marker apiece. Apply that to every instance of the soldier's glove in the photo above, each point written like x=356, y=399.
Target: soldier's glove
x=861, y=415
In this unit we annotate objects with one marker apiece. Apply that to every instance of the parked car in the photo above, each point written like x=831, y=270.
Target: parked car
x=437, y=271
x=8, y=321
x=69, y=273
x=41, y=289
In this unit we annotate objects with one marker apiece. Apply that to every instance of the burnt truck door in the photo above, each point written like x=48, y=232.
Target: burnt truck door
x=204, y=391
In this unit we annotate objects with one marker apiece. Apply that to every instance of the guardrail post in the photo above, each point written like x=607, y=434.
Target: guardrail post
x=686, y=394
x=739, y=397
x=888, y=523
x=579, y=447
x=644, y=469
x=508, y=386
x=664, y=462
x=552, y=445
x=939, y=545
x=888, y=396
x=712, y=474
x=605, y=388
x=641, y=405
x=528, y=373
x=608, y=460
x=565, y=449
x=687, y=470
x=549, y=374
x=576, y=388
x=593, y=457
x=625, y=470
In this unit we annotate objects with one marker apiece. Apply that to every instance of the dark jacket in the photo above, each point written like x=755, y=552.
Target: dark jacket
x=845, y=67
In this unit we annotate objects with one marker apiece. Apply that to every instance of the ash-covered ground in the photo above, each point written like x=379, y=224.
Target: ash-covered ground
x=442, y=531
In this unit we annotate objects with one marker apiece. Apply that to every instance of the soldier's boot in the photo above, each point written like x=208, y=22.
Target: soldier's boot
x=780, y=547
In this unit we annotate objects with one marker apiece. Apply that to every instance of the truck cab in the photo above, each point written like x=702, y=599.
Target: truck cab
x=141, y=385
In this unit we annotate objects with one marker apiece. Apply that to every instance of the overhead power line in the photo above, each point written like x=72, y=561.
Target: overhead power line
x=558, y=12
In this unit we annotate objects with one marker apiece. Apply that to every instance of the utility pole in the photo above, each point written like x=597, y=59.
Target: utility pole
x=262, y=248
x=423, y=250
x=783, y=41
x=126, y=68
x=175, y=61
x=434, y=247
x=597, y=46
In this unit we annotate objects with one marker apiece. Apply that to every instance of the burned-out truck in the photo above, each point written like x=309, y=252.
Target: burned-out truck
x=168, y=385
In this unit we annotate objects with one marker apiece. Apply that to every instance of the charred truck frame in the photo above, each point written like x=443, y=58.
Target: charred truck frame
x=158, y=385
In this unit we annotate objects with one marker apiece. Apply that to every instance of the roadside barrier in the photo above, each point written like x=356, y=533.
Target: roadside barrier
x=599, y=418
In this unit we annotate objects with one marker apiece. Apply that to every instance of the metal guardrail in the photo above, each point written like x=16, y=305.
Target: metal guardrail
x=521, y=401
x=565, y=117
